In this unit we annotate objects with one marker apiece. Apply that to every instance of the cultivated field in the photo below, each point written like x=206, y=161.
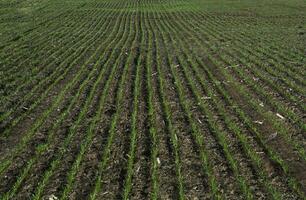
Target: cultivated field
x=152, y=99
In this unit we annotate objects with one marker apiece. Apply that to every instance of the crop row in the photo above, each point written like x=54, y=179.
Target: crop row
x=146, y=100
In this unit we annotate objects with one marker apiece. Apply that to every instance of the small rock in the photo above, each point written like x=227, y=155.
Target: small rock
x=158, y=160
x=52, y=197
